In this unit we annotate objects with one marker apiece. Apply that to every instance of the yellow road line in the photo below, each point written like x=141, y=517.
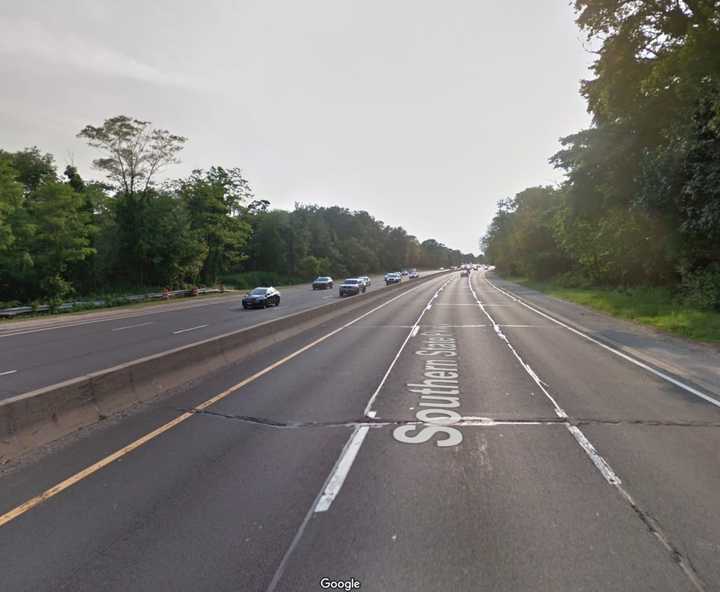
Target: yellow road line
x=86, y=472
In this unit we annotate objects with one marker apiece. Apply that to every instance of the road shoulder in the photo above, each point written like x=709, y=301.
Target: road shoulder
x=693, y=362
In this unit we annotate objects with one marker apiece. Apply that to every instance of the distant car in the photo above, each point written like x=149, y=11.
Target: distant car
x=464, y=273
x=365, y=280
x=413, y=274
x=351, y=287
x=404, y=272
x=323, y=282
x=261, y=298
x=393, y=278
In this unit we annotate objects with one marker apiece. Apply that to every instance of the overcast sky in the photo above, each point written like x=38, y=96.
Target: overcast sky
x=423, y=113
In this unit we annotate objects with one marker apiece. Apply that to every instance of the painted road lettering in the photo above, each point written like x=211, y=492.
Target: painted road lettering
x=439, y=392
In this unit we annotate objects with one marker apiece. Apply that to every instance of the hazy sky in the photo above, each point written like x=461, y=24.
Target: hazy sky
x=423, y=113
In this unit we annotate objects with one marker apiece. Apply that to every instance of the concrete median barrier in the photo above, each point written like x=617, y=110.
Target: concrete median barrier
x=44, y=415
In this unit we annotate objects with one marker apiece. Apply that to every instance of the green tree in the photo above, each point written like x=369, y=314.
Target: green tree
x=174, y=253
x=61, y=237
x=135, y=152
x=217, y=203
x=32, y=167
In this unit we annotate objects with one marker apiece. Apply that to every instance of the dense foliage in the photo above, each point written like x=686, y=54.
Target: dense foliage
x=641, y=200
x=62, y=236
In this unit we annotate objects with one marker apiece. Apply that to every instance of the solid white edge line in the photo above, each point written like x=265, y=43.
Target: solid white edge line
x=617, y=352
x=601, y=464
x=8, y=372
x=188, y=329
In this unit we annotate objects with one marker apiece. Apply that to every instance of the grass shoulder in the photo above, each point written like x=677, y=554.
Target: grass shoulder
x=660, y=308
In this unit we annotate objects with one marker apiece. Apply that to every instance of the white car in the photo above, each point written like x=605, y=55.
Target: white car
x=365, y=280
x=351, y=287
x=393, y=277
x=413, y=274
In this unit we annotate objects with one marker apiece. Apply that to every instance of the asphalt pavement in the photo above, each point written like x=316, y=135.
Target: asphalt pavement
x=41, y=352
x=446, y=439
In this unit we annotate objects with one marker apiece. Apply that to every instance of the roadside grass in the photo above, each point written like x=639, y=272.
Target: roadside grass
x=657, y=307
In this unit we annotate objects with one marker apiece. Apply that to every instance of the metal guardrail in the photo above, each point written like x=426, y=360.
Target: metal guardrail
x=66, y=306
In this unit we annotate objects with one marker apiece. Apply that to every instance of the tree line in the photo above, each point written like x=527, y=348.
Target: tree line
x=63, y=236
x=640, y=203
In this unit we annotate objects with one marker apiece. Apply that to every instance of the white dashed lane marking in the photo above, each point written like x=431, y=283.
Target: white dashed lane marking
x=133, y=326
x=188, y=329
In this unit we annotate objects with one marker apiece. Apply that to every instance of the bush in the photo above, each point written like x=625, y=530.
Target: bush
x=250, y=279
x=309, y=266
x=701, y=288
x=573, y=279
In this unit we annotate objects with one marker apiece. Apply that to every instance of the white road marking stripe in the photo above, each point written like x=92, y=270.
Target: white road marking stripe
x=624, y=356
x=188, y=329
x=369, y=405
x=54, y=327
x=272, y=586
x=368, y=326
x=8, y=372
x=117, y=317
x=498, y=331
x=352, y=447
x=597, y=459
x=341, y=469
x=495, y=305
x=132, y=326
x=487, y=422
x=456, y=304
x=452, y=326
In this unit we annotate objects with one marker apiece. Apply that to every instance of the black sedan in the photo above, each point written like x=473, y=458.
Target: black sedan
x=261, y=298
x=322, y=283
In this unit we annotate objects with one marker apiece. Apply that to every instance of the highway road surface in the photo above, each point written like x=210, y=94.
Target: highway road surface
x=41, y=352
x=448, y=439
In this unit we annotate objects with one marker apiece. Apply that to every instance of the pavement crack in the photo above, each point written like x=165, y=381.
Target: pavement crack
x=465, y=421
x=646, y=422
x=262, y=421
x=683, y=561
